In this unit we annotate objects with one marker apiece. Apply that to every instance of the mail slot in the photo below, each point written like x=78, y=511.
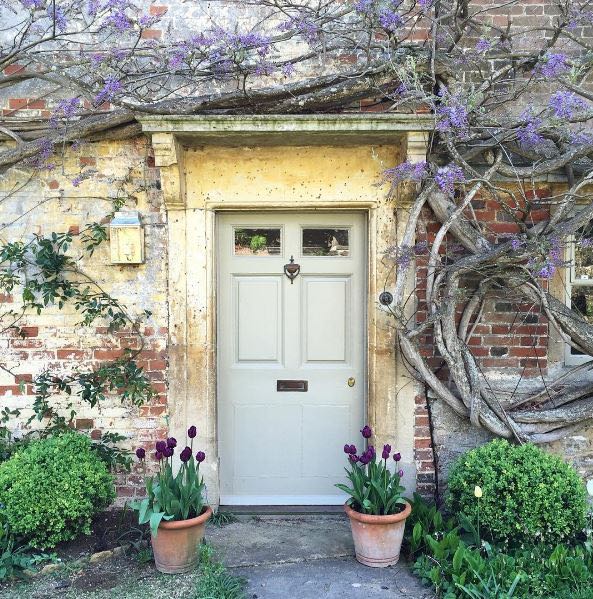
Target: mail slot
x=301, y=386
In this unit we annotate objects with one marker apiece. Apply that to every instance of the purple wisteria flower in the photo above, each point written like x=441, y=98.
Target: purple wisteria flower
x=483, y=45
x=111, y=87
x=565, y=104
x=185, y=455
x=453, y=114
x=390, y=20
x=554, y=64
x=57, y=15
x=406, y=171
x=140, y=453
x=363, y=6
x=192, y=431
x=517, y=243
x=306, y=28
x=200, y=456
x=448, y=176
x=528, y=136
x=366, y=431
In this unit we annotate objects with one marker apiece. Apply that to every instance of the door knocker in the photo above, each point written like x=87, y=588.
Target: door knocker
x=292, y=270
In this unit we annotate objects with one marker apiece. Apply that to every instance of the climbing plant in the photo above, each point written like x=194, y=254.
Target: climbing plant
x=506, y=86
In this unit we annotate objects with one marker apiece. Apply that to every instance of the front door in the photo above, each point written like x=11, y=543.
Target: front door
x=291, y=354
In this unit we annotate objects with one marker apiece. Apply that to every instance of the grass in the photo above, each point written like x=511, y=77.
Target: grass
x=215, y=582
x=222, y=518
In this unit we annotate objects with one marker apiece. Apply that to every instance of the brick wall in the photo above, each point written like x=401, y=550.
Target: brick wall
x=52, y=339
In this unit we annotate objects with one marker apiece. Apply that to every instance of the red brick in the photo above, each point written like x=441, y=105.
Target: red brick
x=25, y=103
x=422, y=443
x=151, y=34
x=84, y=424
x=10, y=390
x=107, y=354
x=158, y=11
x=13, y=68
x=70, y=354
x=29, y=331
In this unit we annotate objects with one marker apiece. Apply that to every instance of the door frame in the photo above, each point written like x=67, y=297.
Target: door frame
x=264, y=499
x=181, y=145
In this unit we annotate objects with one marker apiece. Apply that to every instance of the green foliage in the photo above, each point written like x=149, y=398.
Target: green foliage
x=15, y=557
x=451, y=557
x=52, y=488
x=528, y=495
x=215, y=581
x=222, y=518
x=172, y=496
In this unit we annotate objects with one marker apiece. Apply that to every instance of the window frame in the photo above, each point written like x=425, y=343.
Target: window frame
x=571, y=359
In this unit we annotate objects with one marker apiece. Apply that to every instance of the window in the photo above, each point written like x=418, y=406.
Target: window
x=258, y=242
x=579, y=293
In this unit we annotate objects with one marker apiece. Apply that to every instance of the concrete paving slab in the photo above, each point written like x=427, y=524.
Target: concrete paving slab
x=306, y=557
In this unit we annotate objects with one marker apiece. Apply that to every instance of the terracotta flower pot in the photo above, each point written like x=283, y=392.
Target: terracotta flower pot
x=175, y=547
x=377, y=539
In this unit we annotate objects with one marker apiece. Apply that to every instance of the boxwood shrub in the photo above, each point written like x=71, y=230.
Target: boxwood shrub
x=51, y=489
x=529, y=496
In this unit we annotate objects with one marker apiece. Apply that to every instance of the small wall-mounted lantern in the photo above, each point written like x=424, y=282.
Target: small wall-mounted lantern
x=126, y=238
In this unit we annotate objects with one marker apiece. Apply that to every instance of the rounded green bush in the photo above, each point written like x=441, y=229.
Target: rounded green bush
x=528, y=495
x=51, y=489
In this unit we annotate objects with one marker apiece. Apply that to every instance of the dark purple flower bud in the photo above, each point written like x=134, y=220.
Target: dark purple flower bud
x=158, y=456
x=371, y=451
x=168, y=452
x=353, y=458
x=185, y=455
x=397, y=456
x=365, y=458
x=192, y=431
x=400, y=473
x=200, y=456
x=366, y=431
x=346, y=448
x=161, y=446
x=386, y=451
x=172, y=442
x=352, y=449
x=140, y=453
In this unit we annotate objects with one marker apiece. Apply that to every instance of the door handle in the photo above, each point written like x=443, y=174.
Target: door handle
x=298, y=386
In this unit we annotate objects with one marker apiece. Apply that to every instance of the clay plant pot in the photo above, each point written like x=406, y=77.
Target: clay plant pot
x=175, y=546
x=377, y=539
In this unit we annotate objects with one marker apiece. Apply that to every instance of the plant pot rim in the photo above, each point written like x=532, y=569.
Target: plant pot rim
x=378, y=519
x=177, y=524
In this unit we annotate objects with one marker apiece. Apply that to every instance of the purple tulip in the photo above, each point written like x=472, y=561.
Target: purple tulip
x=386, y=451
x=158, y=456
x=346, y=448
x=397, y=456
x=200, y=456
x=161, y=446
x=168, y=452
x=172, y=442
x=353, y=458
x=185, y=455
x=400, y=473
x=371, y=451
x=140, y=453
x=366, y=431
x=365, y=458
x=352, y=449
x=192, y=431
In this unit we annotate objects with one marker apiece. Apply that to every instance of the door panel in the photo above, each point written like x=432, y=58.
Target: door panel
x=285, y=447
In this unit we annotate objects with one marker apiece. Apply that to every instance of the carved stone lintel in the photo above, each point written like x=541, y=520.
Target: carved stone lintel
x=168, y=156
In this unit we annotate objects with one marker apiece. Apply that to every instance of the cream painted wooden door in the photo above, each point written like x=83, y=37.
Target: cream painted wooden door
x=291, y=354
